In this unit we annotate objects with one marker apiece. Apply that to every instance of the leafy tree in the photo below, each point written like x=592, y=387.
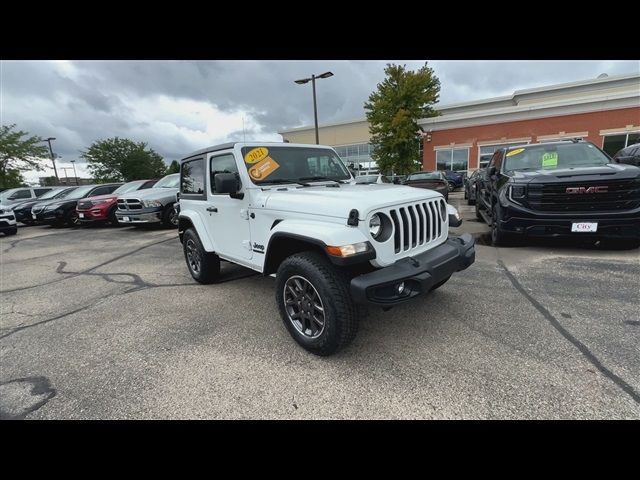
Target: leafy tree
x=121, y=159
x=393, y=111
x=18, y=154
x=12, y=178
x=174, y=167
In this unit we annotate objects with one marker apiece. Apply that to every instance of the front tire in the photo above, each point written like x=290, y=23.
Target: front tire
x=314, y=303
x=11, y=231
x=113, y=218
x=72, y=219
x=499, y=238
x=203, y=266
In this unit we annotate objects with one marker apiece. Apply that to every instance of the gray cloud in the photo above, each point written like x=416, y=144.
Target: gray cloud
x=172, y=104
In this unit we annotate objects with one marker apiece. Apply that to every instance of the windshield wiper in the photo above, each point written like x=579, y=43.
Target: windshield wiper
x=279, y=181
x=320, y=178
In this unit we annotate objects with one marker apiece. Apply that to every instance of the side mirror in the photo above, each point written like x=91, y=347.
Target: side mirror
x=228, y=183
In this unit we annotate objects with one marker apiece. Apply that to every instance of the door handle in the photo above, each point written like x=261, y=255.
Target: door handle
x=212, y=209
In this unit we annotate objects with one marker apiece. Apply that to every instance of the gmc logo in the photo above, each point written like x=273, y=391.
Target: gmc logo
x=602, y=189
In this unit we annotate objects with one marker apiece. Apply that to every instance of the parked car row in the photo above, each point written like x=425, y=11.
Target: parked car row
x=136, y=202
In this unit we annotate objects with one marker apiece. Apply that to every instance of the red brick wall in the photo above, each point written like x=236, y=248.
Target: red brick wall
x=584, y=122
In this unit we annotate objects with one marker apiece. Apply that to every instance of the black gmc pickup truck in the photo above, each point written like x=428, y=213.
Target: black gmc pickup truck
x=559, y=189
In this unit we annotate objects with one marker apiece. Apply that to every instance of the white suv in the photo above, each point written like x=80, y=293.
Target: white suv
x=293, y=210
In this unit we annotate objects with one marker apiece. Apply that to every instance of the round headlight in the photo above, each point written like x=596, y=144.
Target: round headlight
x=375, y=226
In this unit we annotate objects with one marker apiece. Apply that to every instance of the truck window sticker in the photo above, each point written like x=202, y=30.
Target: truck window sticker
x=255, y=155
x=263, y=168
x=550, y=160
x=515, y=152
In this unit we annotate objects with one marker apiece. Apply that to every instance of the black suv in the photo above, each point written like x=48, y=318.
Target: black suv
x=629, y=155
x=559, y=189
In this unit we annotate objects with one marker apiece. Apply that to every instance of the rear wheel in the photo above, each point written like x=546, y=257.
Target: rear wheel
x=203, y=266
x=315, y=304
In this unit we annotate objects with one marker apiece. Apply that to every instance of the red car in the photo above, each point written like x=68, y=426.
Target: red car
x=103, y=208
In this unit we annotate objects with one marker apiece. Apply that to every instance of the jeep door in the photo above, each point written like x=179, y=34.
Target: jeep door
x=226, y=219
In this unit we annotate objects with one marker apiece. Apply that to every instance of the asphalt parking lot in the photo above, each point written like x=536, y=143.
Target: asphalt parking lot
x=106, y=323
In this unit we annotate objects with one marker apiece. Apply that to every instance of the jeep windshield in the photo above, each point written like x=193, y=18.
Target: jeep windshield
x=554, y=156
x=278, y=165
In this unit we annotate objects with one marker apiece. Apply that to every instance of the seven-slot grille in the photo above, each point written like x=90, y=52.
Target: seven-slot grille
x=127, y=204
x=417, y=224
x=620, y=195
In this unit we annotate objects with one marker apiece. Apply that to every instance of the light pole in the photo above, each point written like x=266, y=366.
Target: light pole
x=53, y=158
x=65, y=175
x=315, y=106
x=75, y=175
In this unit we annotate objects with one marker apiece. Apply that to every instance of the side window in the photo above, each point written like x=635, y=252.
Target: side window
x=26, y=193
x=222, y=164
x=100, y=191
x=148, y=184
x=41, y=191
x=192, y=177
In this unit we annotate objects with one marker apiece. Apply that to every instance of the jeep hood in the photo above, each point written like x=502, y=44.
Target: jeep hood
x=339, y=201
x=611, y=171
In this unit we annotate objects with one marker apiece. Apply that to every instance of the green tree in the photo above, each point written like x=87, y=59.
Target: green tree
x=121, y=159
x=18, y=154
x=12, y=178
x=174, y=167
x=393, y=111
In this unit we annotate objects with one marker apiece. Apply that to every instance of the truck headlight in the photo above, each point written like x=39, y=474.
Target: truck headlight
x=151, y=203
x=375, y=226
x=518, y=191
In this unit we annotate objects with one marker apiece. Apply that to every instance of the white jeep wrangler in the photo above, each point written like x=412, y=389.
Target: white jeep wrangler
x=294, y=211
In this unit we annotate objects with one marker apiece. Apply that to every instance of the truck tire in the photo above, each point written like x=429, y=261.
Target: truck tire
x=478, y=216
x=499, y=238
x=170, y=217
x=315, y=304
x=203, y=266
x=471, y=200
x=11, y=231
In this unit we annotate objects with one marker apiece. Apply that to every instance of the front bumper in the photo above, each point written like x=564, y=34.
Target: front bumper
x=139, y=216
x=93, y=215
x=50, y=216
x=613, y=225
x=7, y=222
x=419, y=273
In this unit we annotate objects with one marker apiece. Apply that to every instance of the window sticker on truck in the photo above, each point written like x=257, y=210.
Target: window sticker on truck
x=515, y=152
x=550, y=160
x=263, y=169
x=255, y=155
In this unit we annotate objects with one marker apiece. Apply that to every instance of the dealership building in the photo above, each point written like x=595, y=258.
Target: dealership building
x=604, y=110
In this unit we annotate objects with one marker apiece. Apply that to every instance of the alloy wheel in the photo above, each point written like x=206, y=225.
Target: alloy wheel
x=304, y=306
x=193, y=256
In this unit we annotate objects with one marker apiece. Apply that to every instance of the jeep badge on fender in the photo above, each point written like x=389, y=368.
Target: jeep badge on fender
x=295, y=211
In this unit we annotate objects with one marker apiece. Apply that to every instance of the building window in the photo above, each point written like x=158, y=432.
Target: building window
x=456, y=159
x=613, y=143
x=357, y=156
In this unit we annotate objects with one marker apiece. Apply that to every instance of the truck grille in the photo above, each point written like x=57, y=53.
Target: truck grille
x=418, y=224
x=128, y=204
x=621, y=195
x=85, y=204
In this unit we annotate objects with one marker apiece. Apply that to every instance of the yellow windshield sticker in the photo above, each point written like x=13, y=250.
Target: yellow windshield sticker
x=515, y=152
x=550, y=160
x=255, y=155
x=263, y=169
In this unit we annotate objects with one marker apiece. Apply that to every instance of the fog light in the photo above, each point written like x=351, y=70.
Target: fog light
x=400, y=288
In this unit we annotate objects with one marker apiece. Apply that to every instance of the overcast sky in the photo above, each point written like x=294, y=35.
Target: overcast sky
x=180, y=106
